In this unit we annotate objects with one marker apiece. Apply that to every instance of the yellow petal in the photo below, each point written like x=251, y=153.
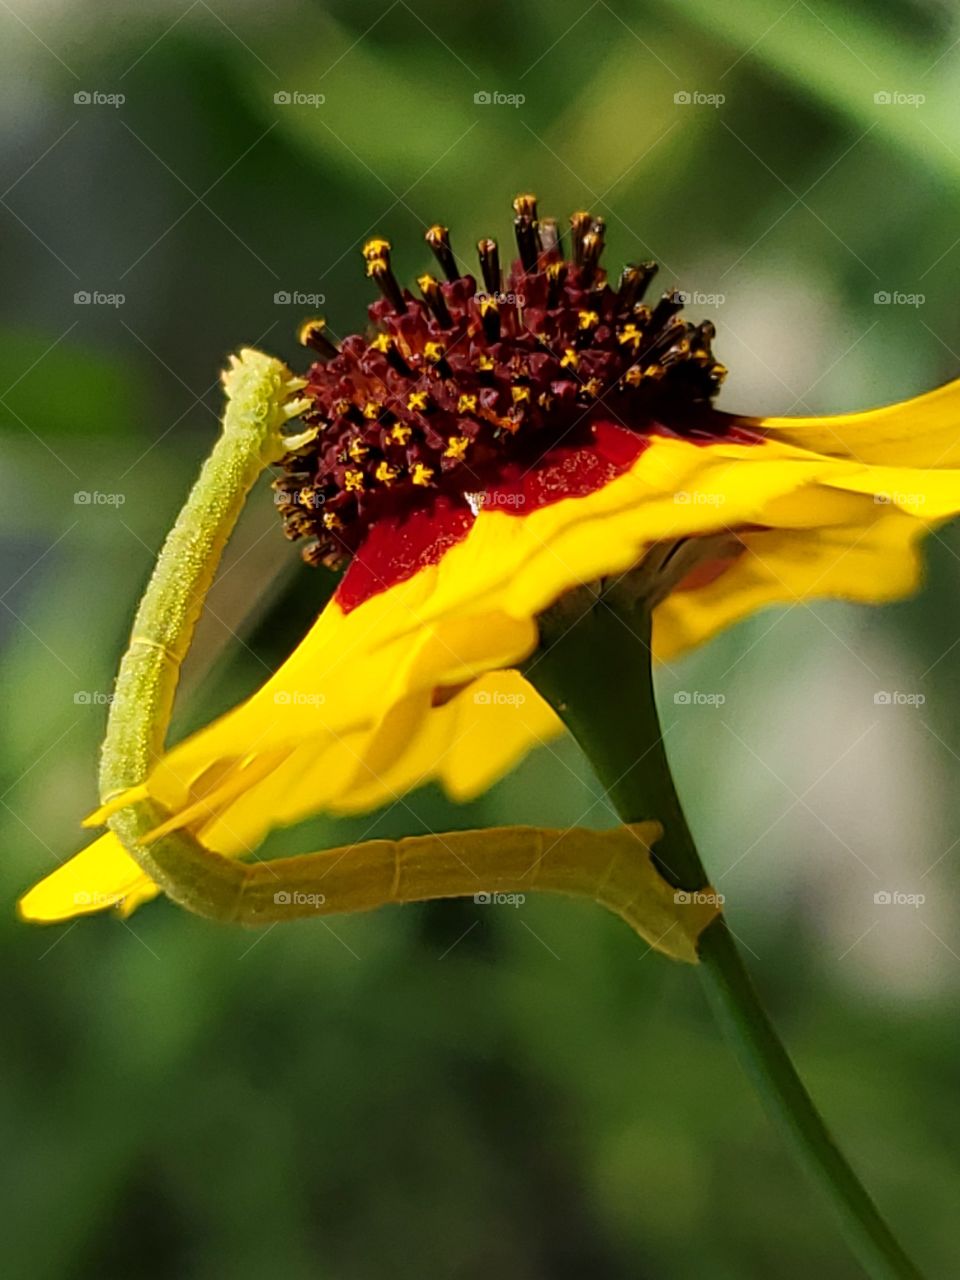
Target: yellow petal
x=351, y=718
x=922, y=432
x=869, y=561
x=100, y=876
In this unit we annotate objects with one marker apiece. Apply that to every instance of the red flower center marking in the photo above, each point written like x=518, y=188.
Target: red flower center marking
x=545, y=389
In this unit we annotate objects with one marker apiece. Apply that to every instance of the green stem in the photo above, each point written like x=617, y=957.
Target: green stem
x=597, y=675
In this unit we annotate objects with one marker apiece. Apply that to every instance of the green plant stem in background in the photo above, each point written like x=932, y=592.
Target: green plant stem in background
x=597, y=675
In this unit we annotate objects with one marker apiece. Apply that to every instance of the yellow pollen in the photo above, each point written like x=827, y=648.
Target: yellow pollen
x=376, y=248
x=467, y=404
x=484, y=363
x=570, y=359
x=434, y=352
x=400, y=433
x=421, y=475
x=544, y=399
x=633, y=376
x=331, y=520
x=416, y=400
x=487, y=305
x=372, y=409
x=305, y=497
x=353, y=480
x=593, y=387
x=520, y=394
x=357, y=450
x=382, y=342
x=456, y=447
x=341, y=407
x=588, y=319
x=630, y=334
x=385, y=473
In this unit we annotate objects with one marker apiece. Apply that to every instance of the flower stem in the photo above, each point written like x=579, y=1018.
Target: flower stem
x=597, y=675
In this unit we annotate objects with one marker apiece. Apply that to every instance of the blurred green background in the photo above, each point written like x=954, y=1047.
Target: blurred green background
x=457, y=1090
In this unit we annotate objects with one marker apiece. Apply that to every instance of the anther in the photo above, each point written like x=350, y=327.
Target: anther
x=556, y=275
x=438, y=238
x=665, y=310
x=580, y=224
x=527, y=231
x=433, y=296
x=379, y=271
x=550, y=236
x=634, y=280
x=591, y=248
x=490, y=318
x=489, y=265
x=312, y=333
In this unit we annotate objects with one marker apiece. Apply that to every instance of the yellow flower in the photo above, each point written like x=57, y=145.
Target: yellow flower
x=410, y=673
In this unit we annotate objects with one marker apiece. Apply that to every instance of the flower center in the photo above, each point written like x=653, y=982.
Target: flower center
x=455, y=389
